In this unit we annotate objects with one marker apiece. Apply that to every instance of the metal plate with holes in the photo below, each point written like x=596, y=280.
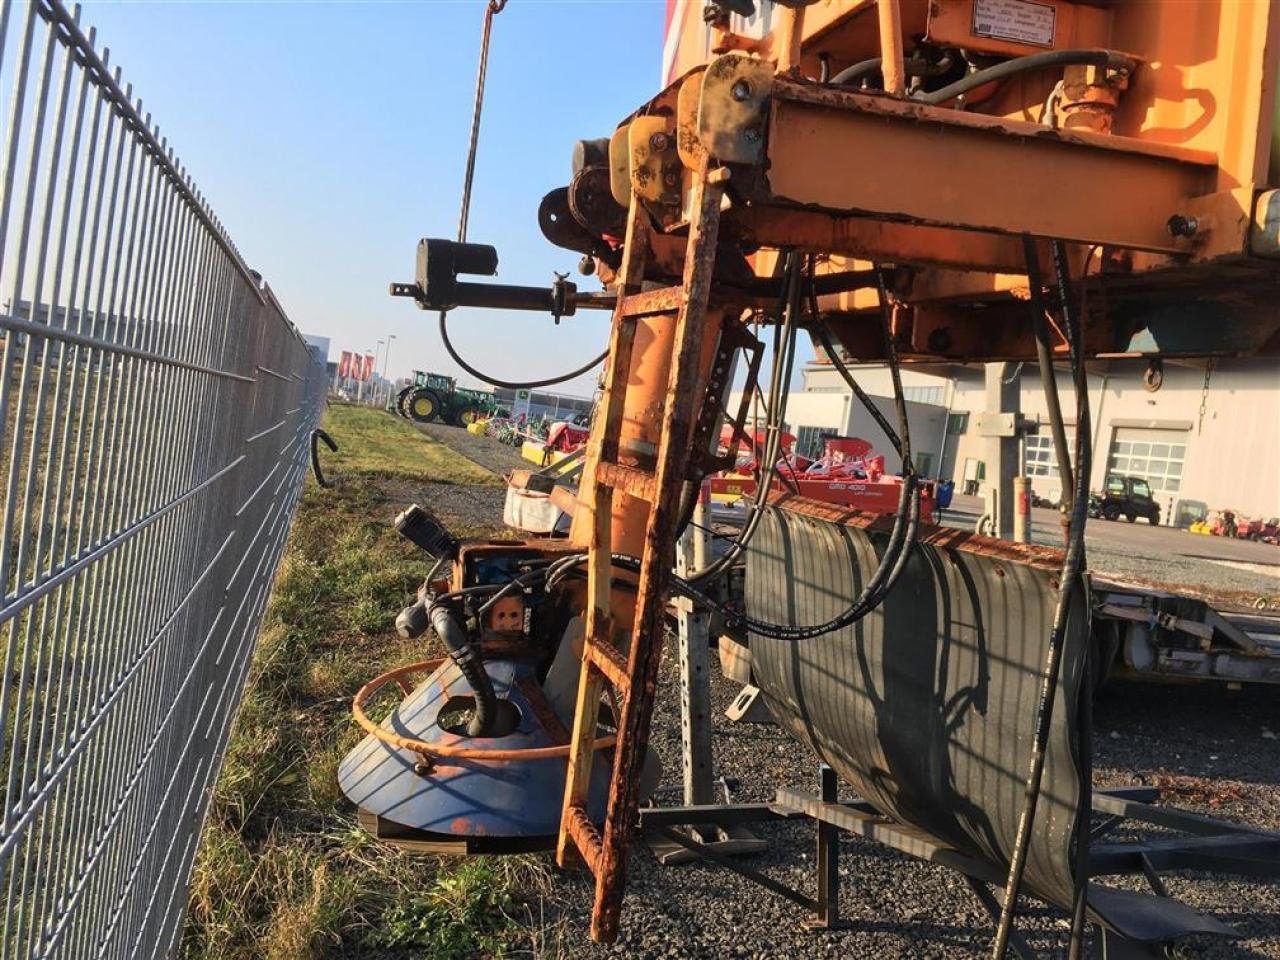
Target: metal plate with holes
x=927, y=706
x=732, y=115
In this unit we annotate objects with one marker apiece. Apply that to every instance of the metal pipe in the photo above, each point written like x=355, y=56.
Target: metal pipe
x=891, y=66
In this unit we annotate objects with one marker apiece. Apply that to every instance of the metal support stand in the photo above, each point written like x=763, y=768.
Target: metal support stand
x=695, y=675
x=827, y=912
x=693, y=627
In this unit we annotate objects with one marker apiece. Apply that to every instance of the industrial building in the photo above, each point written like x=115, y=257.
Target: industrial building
x=1207, y=439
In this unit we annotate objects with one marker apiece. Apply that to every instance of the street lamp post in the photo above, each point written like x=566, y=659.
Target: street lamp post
x=374, y=393
x=385, y=357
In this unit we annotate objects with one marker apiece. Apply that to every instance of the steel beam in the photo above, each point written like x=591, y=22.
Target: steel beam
x=855, y=153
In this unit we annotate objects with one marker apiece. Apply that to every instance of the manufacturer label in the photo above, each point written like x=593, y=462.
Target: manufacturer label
x=1018, y=20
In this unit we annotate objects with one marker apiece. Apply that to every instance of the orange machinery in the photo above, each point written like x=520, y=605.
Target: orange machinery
x=914, y=142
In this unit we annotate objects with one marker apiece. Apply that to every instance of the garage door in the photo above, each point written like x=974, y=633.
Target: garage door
x=1156, y=455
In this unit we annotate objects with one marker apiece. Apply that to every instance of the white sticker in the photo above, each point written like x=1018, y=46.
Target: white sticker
x=1018, y=20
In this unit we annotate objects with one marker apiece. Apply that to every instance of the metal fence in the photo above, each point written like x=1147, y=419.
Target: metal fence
x=157, y=405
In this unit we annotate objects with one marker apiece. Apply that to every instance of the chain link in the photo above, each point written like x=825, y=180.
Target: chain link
x=1204, y=395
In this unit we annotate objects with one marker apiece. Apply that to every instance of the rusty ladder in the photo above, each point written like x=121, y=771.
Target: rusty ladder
x=633, y=675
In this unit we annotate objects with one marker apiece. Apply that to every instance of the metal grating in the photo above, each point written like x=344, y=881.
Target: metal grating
x=157, y=406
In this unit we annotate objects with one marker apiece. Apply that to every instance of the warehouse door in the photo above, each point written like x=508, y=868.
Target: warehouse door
x=1155, y=455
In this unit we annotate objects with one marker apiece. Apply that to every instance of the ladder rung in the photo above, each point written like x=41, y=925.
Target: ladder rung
x=609, y=660
x=629, y=480
x=662, y=300
x=585, y=837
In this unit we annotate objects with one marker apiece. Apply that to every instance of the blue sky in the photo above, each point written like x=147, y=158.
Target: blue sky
x=330, y=137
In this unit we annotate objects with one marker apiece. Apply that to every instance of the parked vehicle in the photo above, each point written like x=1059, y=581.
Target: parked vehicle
x=1267, y=531
x=433, y=396
x=1128, y=497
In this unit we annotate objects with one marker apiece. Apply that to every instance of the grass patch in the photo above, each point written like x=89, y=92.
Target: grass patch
x=378, y=444
x=283, y=869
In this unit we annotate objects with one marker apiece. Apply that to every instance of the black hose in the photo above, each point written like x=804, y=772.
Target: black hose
x=902, y=537
x=465, y=655
x=1072, y=565
x=512, y=384
x=1036, y=61
x=316, y=435
x=779, y=387
x=911, y=66
x=1048, y=376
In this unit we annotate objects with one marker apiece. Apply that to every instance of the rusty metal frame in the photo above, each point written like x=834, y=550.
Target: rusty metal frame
x=1002, y=175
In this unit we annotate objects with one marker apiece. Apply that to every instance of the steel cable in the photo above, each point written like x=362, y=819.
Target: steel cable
x=1072, y=565
x=464, y=214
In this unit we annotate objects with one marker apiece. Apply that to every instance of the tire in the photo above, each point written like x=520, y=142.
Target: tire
x=1111, y=513
x=402, y=402
x=468, y=416
x=424, y=405
x=1131, y=517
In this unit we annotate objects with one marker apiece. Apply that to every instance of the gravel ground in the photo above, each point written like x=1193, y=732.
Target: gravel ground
x=1208, y=749
x=489, y=453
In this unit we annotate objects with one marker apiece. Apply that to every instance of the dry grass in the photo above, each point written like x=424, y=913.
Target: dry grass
x=283, y=870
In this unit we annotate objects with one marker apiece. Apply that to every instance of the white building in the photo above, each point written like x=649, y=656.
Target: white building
x=1208, y=438
x=318, y=345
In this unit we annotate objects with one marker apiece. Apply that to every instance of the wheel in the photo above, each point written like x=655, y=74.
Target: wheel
x=468, y=416
x=402, y=402
x=1131, y=517
x=424, y=405
x=1111, y=513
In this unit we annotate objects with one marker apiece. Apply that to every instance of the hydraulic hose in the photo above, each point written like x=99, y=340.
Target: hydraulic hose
x=912, y=66
x=465, y=655
x=1048, y=376
x=1037, y=61
x=779, y=387
x=1072, y=565
x=512, y=384
x=902, y=537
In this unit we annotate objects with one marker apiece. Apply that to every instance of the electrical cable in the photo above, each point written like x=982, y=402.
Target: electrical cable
x=464, y=214
x=1036, y=61
x=1072, y=565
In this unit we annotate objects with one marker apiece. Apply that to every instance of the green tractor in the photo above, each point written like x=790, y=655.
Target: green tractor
x=433, y=396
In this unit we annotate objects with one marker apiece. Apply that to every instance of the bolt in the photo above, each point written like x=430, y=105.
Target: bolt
x=1180, y=226
x=751, y=134
x=659, y=142
x=740, y=91
x=669, y=179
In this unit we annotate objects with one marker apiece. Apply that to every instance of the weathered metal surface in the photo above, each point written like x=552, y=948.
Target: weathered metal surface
x=474, y=797
x=1131, y=192
x=655, y=164
x=927, y=705
x=637, y=619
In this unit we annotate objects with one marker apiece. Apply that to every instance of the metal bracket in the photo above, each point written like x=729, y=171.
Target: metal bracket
x=732, y=109
x=655, y=170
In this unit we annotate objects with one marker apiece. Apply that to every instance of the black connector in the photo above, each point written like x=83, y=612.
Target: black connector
x=427, y=533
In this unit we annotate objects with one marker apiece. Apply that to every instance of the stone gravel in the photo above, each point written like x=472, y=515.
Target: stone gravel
x=1206, y=747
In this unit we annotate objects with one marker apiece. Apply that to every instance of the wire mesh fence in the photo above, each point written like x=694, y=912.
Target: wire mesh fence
x=157, y=405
